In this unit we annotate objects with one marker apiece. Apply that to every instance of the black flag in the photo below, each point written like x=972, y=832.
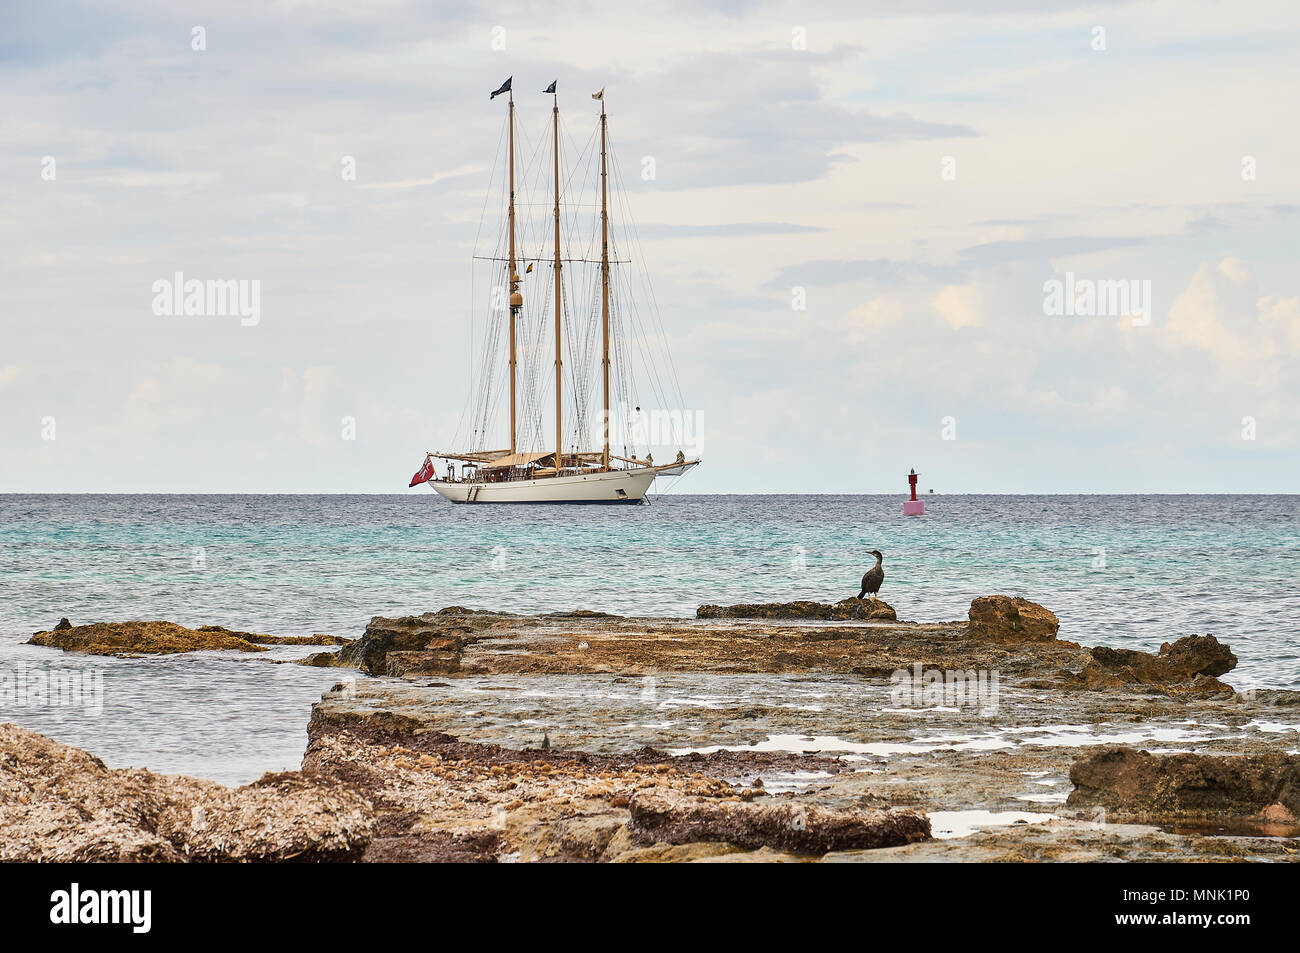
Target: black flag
x=551, y=88
x=505, y=88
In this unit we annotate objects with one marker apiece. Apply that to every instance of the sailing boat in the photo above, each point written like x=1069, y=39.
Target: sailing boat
x=533, y=469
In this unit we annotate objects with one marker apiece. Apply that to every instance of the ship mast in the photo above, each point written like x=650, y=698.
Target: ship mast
x=555, y=145
x=516, y=299
x=604, y=275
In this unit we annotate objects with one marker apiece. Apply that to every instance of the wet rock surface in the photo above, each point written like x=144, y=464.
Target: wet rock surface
x=481, y=736
x=440, y=798
x=461, y=642
x=807, y=714
x=163, y=638
x=844, y=610
x=658, y=816
x=1180, y=785
x=1017, y=638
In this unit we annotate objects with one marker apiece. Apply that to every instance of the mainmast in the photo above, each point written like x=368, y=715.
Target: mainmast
x=555, y=145
x=516, y=299
x=604, y=273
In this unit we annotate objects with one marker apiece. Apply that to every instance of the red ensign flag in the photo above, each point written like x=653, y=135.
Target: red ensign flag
x=425, y=474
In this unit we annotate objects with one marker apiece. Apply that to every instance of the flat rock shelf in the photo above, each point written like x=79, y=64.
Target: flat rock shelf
x=788, y=733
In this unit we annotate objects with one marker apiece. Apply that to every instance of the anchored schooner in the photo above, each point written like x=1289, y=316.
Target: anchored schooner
x=559, y=467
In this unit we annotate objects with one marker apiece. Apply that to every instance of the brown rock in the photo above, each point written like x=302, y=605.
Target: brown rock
x=1192, y=662
x=581, y=837
x=845, y=609
x=660, y=815
x=321, y=660
x=426, y=644
x=1277, y=812
x=1011, y=619
x=697, y=852
x=259, y=639
x=163, y=638
x=131, y=638
x=58, y=803
x=1199, y=655
x=1178, y=785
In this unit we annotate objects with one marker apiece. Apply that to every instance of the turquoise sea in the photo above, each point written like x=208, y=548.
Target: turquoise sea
x=1131, y=571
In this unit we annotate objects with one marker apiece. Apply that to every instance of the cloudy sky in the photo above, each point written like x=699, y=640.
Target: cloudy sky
x=921, y=178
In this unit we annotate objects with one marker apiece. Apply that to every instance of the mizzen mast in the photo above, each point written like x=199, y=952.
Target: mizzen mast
x=604, y=273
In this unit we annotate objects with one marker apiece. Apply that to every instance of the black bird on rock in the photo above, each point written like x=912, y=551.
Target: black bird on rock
x=874, y=576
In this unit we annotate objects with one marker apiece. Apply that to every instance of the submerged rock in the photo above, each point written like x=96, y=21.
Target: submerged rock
x=130, y=638
x=844, y=610
x=259, y=639
x=666, y=816
x=58, y=803
x=163, y=638
x=321, y=660
x=580, y=614
x=1011, y=619
x=1179, y=785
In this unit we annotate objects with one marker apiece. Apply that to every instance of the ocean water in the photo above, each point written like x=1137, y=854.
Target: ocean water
x=1123, y=571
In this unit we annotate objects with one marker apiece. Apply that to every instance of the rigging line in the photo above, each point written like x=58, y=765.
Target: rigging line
x=487, y=401
x=649, y=357
x=469, y=366
x=583, y=335
x=524, y=259
x=630, y=222
x=485, y=404
x=647, y=330
x=492, y=330
x=647, y=354
x=582, y=345
x=473, y=304
x=584, y=165
x=572, y=407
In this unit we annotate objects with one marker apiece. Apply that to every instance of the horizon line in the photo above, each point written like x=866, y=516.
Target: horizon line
x=892, y=493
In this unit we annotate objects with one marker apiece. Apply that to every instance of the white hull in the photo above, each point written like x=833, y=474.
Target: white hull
x=616, y=486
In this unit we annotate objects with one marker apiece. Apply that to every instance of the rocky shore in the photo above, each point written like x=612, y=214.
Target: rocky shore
x=791, y=732
x=61, y=804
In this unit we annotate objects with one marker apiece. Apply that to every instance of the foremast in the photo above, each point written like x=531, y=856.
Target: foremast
x=516, y=298
x=555, y=147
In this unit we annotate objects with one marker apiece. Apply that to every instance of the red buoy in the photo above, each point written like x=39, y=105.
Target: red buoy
x=913, y=507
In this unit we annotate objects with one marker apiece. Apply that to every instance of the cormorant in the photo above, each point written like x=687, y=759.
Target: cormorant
x=874, y=576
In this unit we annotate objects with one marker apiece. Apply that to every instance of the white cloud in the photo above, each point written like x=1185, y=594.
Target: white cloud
x=1219, y=313
x=959, y=305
